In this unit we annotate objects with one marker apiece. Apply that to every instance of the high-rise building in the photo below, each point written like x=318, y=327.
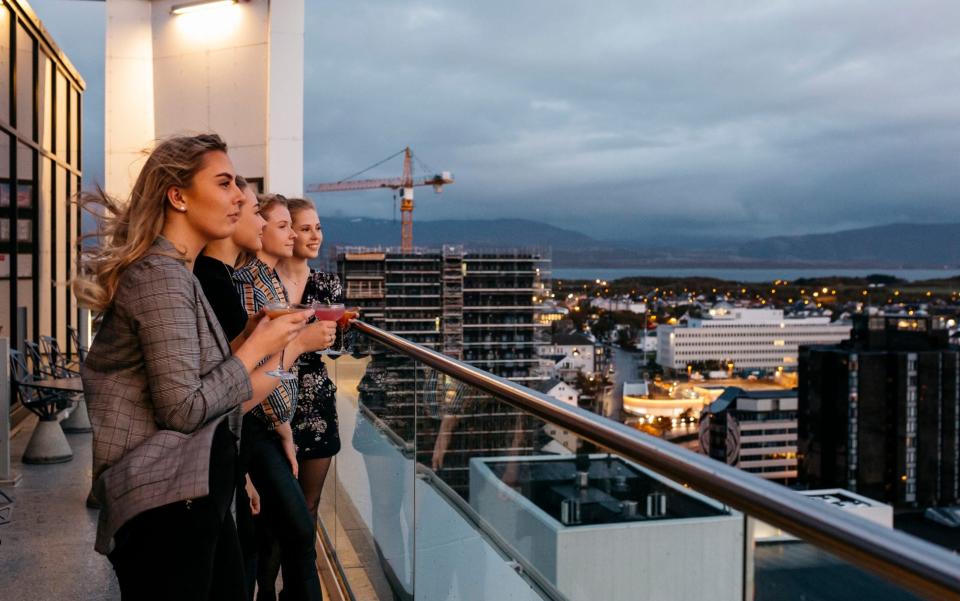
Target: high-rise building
x=878, y=415
x=477, y=306
x=762, y=339
x=755, y=430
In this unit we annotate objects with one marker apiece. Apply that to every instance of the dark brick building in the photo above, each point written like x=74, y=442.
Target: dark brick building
x=878, y=414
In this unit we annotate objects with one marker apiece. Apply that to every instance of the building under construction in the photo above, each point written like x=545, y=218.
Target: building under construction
x=479, y=306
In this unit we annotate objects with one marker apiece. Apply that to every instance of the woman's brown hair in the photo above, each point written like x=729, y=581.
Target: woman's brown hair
x=126, y=231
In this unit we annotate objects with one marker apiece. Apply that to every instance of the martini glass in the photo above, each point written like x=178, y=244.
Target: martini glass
x=275, y=310
x=329, y=312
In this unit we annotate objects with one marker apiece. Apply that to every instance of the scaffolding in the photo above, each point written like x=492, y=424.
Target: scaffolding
x=452, y=318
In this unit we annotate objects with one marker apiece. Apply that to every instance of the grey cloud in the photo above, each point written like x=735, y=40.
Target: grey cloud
x=643, y=120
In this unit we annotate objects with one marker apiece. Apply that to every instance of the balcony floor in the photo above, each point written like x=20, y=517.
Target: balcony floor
x=46, y=551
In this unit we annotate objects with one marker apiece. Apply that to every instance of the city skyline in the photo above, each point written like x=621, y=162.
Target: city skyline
x=663, y=122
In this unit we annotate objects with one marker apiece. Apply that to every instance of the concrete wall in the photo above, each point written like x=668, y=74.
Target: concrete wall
x=235, y=70
x=687, y=559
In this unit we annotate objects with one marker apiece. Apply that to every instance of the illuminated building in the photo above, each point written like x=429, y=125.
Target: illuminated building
x=741, y=339
x=755, y=430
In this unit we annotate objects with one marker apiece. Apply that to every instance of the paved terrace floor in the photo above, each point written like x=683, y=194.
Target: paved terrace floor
x=46, y=551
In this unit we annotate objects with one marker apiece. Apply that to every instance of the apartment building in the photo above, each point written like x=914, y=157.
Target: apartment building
x=477, y=306
x=742, y=338
x=754, y=430
x=878, y=415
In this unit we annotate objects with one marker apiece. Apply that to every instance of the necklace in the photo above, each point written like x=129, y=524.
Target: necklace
x=297, y=281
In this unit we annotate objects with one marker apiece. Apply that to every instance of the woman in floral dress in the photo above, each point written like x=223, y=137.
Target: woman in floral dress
x=315, y=428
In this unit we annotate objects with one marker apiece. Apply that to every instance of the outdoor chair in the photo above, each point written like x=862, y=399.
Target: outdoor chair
x=74, y=339
x=56, y=359
x=48, y=444
x=40, y=367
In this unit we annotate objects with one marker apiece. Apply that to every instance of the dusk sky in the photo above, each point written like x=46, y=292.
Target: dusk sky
x=619, y=119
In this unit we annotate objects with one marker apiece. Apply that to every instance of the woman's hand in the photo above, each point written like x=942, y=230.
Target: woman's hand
x=285, y=432
x=315, y=337
x=252, y=322
x=254, y=497
x=348, y=316
x=271, y=335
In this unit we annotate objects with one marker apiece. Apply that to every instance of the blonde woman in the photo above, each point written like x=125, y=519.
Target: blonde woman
x=163, y=389
x=315, y=425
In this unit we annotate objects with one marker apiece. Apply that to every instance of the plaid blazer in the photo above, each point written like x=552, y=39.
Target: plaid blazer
x=158, y=380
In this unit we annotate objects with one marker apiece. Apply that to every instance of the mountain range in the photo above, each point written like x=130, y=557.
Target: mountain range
x=900, y=245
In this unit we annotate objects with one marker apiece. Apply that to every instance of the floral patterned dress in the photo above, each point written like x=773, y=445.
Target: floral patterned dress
x=316, y=431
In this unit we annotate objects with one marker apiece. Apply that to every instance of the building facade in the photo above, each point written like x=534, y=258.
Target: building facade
x=41, y=96
x=574, y=353
x=477, y=306
x=754, y=430
x=736, y=338
x=878, y=415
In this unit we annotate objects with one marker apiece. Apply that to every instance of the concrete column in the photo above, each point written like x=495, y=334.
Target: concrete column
x=210, y=75
x=7, y=476
x=128, y=101
x=285, y=98
x=235, y=70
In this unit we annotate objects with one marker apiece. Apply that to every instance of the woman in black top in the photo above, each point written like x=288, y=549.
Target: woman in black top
x=214, y=268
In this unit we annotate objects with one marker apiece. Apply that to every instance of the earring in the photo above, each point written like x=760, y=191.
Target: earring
x=182, y=209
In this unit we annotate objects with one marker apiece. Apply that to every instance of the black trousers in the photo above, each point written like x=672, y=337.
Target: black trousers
x=186, y=550
x=284, y=516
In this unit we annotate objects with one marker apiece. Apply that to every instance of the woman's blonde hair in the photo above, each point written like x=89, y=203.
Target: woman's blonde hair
x=126, y=231
x=268, y=202
x=296, y=205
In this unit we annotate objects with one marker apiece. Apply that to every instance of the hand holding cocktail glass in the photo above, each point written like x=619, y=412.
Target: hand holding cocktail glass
x=337, y=314
x=273, y=334
x=278, y=311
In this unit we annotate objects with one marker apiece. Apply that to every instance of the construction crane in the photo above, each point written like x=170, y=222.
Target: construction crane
x=406, y=183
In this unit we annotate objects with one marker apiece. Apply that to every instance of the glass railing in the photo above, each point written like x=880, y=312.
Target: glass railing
x=455, y=484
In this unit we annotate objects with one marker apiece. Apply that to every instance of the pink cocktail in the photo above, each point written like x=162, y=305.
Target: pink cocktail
x=329, y=312
x=324, y=312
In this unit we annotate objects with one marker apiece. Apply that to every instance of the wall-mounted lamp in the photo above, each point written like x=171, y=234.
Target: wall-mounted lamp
x=192, y=7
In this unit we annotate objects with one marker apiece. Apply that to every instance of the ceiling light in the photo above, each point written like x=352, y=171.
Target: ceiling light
x=191, y=7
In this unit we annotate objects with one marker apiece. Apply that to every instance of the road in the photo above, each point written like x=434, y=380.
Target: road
x=625, y=364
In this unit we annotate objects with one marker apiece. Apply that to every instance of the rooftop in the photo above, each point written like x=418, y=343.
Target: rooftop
x=612, y=490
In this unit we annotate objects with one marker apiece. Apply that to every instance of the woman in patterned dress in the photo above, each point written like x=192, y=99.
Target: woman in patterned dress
x=315, y=428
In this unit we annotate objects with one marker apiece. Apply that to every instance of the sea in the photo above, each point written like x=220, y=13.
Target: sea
x=745, y=274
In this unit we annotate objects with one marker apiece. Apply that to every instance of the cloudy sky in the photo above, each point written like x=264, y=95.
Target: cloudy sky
x=621, y=119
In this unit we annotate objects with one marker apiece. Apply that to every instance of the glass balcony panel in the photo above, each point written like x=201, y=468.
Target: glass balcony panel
x=454, y=493
x=367, y=508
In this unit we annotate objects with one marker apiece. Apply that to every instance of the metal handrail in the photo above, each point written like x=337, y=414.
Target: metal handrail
x=911, y=563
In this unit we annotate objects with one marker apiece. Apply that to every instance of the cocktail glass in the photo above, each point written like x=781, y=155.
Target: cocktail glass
x=275, y=310
x=329, y=312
